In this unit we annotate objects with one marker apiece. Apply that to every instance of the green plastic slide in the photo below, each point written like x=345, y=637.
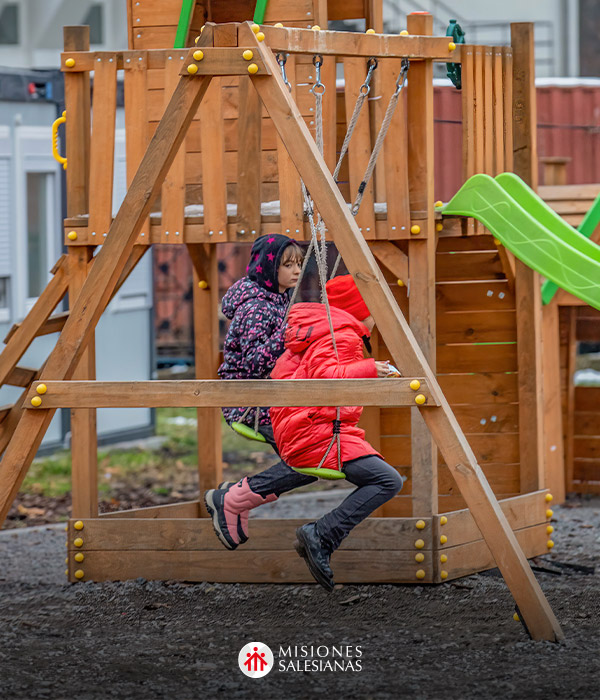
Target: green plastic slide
x=531, y=230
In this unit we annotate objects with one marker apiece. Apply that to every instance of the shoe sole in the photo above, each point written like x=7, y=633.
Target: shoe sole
x=317, y=574
x=210, y=507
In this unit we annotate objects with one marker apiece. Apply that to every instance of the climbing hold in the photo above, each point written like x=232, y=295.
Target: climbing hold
x=419, y=557
x=419, y=544
x=78, y=525
x=415, y=384
x=79, y=556
x=248, y=55
x=203, y=284
x=443, y=520
x=278, y=25
x=79, y=574
x=78, y=542
x=420, y=524
x=451, y=46
x=549, y=513
x=400, y=283
x=443, y=558
x=198, y=55
x=439, y=227
x=443, y=574
x=36, y=401
x=255, y=28
x=252, y=68
x=404, y=32
x=420, y=573
x=549, y=544
x=70, y=62
x=370, y=31
x=420, y=399
x=41, y=388
x=260, y=36
x=192, y=69
x=415, y=229
x=72, y=235
x=516, y=617
x=443, y=539
x=548, y=497
x=549, y=529
x=316, y=28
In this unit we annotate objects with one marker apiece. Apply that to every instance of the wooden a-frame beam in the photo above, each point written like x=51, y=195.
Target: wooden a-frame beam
x=392, y=325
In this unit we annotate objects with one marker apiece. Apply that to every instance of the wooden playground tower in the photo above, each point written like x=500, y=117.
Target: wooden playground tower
x=210, y=125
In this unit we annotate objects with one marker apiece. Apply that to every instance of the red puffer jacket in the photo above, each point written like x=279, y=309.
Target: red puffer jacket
x=303, y=434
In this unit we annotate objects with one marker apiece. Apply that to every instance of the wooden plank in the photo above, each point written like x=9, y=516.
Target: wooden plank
x=498, y=110
x=245, y=392
x=392, y=257
x=134, y=84
x=84, y=440
x=488, y=112
x=406, y=352
x=492, y=295
x=569, y=415
x=54, y=324
x=476, y=327
x=248, y=193
x=468, y=266
x=468, y=124
x=187, y=509
x=469, y=389
x=507, y=82
x=524, y=103
x=102, y=149
x=476, y=358
x=586, y=447
x=587, y=423
x=481, y=418
x=244, y=566
x=172, y=200
x=478, y=109
x=586, y=398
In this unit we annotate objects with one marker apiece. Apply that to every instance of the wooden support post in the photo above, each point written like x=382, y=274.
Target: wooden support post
x=328, y=74
x=206, y=353
x=527, y=281
x=406, y=352
x=421, y=260
x=84, y=442
x=570, y=398
x=248, y=194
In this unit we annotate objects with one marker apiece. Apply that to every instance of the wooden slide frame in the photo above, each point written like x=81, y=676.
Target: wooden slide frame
x=488, y=517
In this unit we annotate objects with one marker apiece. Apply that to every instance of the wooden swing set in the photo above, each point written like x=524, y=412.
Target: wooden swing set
x=444, y=528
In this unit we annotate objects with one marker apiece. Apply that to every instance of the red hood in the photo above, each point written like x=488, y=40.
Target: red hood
x=307, y=322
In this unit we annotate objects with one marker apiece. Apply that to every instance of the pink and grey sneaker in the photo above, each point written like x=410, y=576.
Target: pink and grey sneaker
x=229, y=509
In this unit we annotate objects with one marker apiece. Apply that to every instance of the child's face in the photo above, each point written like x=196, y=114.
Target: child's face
x=288, y=274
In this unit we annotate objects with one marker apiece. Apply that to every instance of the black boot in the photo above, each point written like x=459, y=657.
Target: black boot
x=310, y=547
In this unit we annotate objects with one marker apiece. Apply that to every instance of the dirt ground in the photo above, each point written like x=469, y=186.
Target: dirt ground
x=150, y=640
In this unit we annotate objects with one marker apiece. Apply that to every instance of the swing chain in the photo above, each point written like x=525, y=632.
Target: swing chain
x=365, y=88
x=318, y=88
x=281, y=59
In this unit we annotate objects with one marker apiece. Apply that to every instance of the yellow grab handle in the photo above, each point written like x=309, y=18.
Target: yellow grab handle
x=55, y=153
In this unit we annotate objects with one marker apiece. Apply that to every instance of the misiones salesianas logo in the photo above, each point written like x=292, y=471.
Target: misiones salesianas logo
x=256, y=659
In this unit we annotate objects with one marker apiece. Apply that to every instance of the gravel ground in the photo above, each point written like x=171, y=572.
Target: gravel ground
x=150, y=640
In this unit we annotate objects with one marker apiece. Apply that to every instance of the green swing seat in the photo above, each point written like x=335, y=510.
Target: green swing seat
x=247, y=432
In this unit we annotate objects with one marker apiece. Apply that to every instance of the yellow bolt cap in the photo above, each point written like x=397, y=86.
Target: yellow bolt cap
x=70, y=62
x=439, y=203
x=66, y=528
x=78, y=525
x=192, y=69
x=370, y=31
x=516, y=617
x=252, y=68
x=439, y=227
x=549, y=513
x=419, y=557
x=451, y=46
x=400, y=283
x=72, y=235
x=497, y=242
x=78, y=542
x=549, y=544
x=420, y=524
x=66, y=560
x=260, y=36
x=203, y=284
x=279, y=25
x=419, y=544
x=443, y=558
x=549, y=530
x=404, y=32
x=248, y=55
x=79, y=556
x=41, y=388
x=549, y=497
x=36, y=401
x=443, y=574
x=415, y=384
x=79, y=573
x=316, y=28
x=198, y=55
x=443, y=520
x=415, y=229
x=197, y=39
x=420, y=399
x=255, y=28
x=443, y=539
x=66, y=572
x=420, y=573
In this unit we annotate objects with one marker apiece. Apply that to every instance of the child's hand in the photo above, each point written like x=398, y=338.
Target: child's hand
x=383, y=368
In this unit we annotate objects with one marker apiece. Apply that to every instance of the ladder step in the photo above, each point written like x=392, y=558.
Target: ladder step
x=22, y=376
x=4, y=411
x=54, y=324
